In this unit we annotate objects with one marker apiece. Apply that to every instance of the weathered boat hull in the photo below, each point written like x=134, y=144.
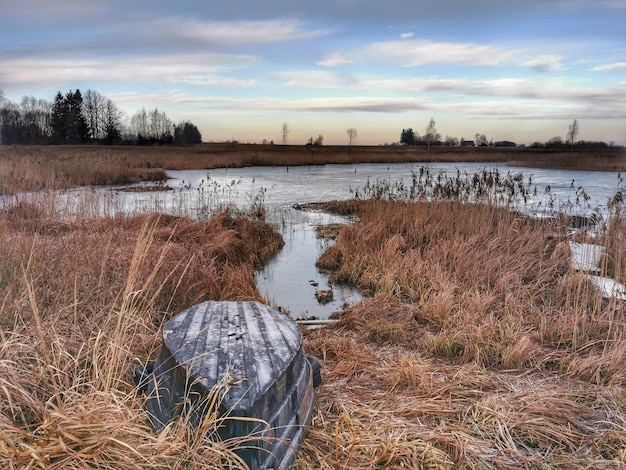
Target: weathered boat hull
x=256, y=354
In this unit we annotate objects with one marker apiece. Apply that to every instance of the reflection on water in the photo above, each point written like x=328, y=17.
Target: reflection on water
x=290, y=280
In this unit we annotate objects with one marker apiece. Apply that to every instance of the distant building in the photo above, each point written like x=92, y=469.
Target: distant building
x=505, y=143
x=468, y=143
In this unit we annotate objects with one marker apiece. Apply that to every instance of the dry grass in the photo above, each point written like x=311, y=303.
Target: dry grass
x=82, y=302
x=31, y=168
x=479, y=347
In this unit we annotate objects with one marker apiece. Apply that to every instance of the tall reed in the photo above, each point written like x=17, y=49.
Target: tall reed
x=479, y=347
x=83, y=301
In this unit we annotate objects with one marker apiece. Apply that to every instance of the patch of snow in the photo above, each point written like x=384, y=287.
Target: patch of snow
x=609, y=287
x=586, y=257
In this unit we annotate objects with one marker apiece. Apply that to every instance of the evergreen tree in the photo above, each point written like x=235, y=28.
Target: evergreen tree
x=186, y=133
x=68, y=122
x=76, y=124
x=407, y=137
x=59, y=111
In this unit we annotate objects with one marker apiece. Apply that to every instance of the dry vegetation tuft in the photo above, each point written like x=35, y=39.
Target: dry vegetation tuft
x=478, y=348
x=82, y=304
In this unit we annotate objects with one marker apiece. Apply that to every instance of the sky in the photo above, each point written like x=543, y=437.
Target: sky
x=239, y=69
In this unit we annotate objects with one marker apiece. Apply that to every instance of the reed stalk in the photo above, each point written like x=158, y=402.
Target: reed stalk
x=83, y=301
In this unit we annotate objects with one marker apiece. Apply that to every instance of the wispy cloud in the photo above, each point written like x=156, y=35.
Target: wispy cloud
x=616, y=67
x=335, y=59
x=196, y=69
x=421, y=52
x=528, y=93
x=406, y=35
x=233, y=32
x=346, y=104
x=544, y=63
x=473, y=108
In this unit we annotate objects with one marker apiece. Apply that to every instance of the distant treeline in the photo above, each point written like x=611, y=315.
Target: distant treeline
x=431, y=137
x=77, y=118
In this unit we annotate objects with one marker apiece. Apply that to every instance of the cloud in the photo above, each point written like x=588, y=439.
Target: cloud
x=422, y=52
x=406, y=35
x=535, y=96
x=544, y=63
x=517, y=99
x=333, y=60
x=616, y=67
x=345, y=104
x=195, y=69
x=458, y=86
x=235, y=32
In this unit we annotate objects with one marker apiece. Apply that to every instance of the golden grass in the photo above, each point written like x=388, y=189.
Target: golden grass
x=82, y=304
x=479, y=347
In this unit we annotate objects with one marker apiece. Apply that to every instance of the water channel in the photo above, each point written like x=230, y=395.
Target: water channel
x=291, y=279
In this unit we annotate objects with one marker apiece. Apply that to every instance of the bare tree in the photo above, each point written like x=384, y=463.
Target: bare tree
x=94, y=108
x=352, y=135
x=317, y=142
x=151, y=127
x=113, y=120
x=431, y=136
x=451, y=141
x=285, y=130
x=572, y=132
x=36, y=118
x=161, y=126
x=139, y=124
x=481, y=140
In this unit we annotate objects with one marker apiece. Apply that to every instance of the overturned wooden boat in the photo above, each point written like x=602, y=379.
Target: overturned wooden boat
x=269, y=389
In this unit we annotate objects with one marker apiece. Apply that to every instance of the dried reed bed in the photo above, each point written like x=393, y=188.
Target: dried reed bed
x=478, y=348
x=609, y=159
x=82, y=304
x=35, y=168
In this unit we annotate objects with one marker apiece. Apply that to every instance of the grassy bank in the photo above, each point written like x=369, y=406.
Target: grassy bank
x=31, y=168
x=479, y=347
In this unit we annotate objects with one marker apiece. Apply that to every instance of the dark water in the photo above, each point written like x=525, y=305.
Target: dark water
x=290, y=280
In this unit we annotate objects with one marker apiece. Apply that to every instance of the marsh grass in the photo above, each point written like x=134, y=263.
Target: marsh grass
x=479, y=346
x=33, y=168
x=26, y=168
x=83, y=301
